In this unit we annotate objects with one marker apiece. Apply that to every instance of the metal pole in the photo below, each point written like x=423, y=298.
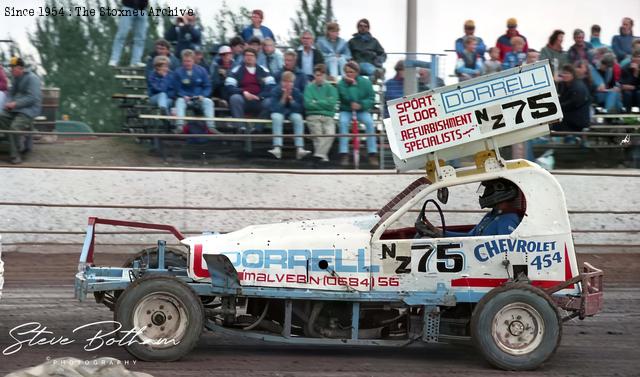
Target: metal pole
x=329, y=11
x=410, y=79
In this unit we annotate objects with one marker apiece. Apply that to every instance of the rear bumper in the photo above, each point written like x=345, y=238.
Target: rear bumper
x=591, y=299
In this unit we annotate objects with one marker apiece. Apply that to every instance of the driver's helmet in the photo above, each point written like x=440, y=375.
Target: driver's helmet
x=497, y=191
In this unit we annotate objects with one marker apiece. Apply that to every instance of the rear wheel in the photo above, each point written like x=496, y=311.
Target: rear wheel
x=516, y=327
x=161, y=318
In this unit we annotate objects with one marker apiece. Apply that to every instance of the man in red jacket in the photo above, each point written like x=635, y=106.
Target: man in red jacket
x=504, y=42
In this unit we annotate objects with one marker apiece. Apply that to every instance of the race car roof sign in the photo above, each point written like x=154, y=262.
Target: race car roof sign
x=451, y=117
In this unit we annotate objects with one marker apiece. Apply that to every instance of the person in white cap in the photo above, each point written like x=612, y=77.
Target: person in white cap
x=219, y=69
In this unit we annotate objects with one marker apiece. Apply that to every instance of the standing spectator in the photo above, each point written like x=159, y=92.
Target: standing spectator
x=219, y=70
x=581, y=50
x=595, y=37
x=606, y=80
x=249, y=86
x=23, y=104
x=193, y=89
x=469, y=64
x=575, y=100
x=356, y=96
x=256, y=29
x=4, y=87
x=308, y=55
x=186, y=34
x=138, y=21
x=494, y=64
x=554, y=52
x=162, y=47
x=367, y=51
x=505, y=40
x=630, y=82
x=621, y=44
x=270, y=57
x=320, y=99
x=517, y=55
x=237, y=46
x=335, y=49
x=394, y=87
x=159, y=84
x=290, y=59
x=469, y=29
x=287, y=102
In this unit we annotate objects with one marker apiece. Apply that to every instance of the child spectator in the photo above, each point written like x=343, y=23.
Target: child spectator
x=554, y=53
x=287, y=102
x=125, y=24
x=270, y=57
x=256, y=29
x=308, y=55
x=469, y=64
x=219, y=70
x=356, y=98
x=366, y=50
x=630, y=82
x=193, y=89
x=494, y=64
x=621, y=44
x=290, y=59
x=162, y=47
x=517, y=55
x=320, y=99
x=185, y=34
x=159, y=84
x=469, y=30
x=504, y=42
x=595, y=37
x=575, y=100
x=335, y=49
x=580, y=50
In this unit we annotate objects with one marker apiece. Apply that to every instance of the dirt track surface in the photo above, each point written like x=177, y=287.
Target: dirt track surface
x=39, y=288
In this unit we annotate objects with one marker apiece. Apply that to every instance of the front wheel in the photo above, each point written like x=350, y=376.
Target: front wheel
x=161, y=318
x=516, y=327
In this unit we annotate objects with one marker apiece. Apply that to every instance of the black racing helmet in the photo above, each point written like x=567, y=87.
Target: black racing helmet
x=497, y=191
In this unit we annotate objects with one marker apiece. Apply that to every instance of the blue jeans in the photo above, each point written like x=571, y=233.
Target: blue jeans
x=207, y=109
x=345, y=128
x=125, y=23
x=335, y=65
x=367, y=69
x=612, y=101
x=277, y=119
x=161, y=100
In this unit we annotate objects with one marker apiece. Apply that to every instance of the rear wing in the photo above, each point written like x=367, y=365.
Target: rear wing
x=481, y=114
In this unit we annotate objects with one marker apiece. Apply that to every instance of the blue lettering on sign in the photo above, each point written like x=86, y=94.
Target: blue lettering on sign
x=488, y=250
x=290, y=259
x=495, y=90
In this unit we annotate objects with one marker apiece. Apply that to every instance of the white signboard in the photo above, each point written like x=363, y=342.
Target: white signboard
x=505, y=102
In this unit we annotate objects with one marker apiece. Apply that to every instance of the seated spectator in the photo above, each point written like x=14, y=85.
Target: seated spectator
x=23, y=104
x=532, y=56
x=621, y=44
x=469, y=30
x=185, y=34
x=575, y=100
x=255, y=43
x=159, y=84
x=237, y=46
x=469, y=64
x=554, y=53
x=424, y=80
x=199, y=58
x=270, y=57
x=517, y=55
x=580, y=50
x=494, y=64
x=320, y=99
x=367, y=51
x=249, y=86
x=630, y=82
x=356, y=99
x=162, y=47
x=504, y=41
x=290, y=59
x=193, y=89
x=308, y=55
x=256, y=29
x=4, y=87
x=394, y=87
x=607, y=79
x=219, y=70
x=583, y=72
x=287, y=102
x=595, y=37
x=635, y=45
x=335, y=50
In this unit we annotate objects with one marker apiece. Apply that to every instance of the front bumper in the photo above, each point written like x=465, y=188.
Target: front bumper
x=591, y=299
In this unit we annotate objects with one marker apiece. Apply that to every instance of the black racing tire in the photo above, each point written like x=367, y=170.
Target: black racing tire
x=516, y=327
x=171, y=308
x=172, y=257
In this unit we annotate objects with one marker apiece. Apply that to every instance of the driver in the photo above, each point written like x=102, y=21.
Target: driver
x=503, y=197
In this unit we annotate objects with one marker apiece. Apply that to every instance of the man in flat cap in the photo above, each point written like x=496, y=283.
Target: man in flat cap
x=504, y=42
x=24, y=104
x=469, y=30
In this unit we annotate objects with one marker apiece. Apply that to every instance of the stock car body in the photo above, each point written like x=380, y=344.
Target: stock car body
x=363, y=280
x=1, y=268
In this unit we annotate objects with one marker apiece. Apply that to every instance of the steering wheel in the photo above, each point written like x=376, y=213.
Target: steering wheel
x=422, y=229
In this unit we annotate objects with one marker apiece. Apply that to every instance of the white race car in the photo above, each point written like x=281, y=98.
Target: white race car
x=1, y=268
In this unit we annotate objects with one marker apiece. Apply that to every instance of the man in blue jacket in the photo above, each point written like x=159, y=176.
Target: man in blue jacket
x=193, y=88
x=256, y=29
x=186, y=34
x=504, y=199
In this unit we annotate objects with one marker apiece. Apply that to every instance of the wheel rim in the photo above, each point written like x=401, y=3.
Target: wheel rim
x=517, y=328
x=160, y=320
